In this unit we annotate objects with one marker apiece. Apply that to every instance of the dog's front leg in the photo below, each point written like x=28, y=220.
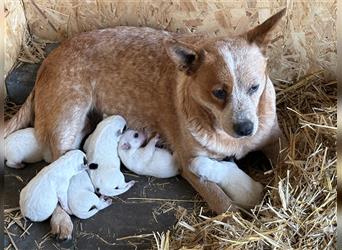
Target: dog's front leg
x=241, y=188
x=216, y=198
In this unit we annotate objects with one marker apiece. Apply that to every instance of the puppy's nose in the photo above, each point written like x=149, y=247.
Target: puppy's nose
x=243, y=128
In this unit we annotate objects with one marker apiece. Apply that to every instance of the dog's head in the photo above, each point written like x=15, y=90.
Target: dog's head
x=226, y=77
x=131, y=139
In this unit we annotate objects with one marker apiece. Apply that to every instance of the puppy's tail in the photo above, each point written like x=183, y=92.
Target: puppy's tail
x=22, y=118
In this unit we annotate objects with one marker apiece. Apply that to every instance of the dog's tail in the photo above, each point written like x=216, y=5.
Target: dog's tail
x=22, y=118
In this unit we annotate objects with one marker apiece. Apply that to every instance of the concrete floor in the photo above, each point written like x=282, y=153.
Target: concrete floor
x=127, y=216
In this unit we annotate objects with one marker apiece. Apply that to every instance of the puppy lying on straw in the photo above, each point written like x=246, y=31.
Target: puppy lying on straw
x=241, y=188
x=22, y=146
x=40, y=196
x=82, y=200
x=148, y=160
x=104, y=163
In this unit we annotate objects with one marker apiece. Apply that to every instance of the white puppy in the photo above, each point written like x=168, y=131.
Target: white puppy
x=22, y=146
x=148, y=160
x=82, y=200
x=40, y=196
x=104, y=163
x=241, y=188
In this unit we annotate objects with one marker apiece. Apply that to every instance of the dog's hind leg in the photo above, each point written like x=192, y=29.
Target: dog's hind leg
x=61, y=224
x=60, y=128
x=63, y=129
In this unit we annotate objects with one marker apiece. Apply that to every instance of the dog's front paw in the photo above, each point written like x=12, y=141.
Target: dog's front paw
x=198, y=168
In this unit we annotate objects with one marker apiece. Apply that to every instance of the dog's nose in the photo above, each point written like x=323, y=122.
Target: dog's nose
x=243, y=128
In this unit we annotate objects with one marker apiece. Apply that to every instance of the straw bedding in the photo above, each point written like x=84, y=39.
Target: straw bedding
x=299, y=208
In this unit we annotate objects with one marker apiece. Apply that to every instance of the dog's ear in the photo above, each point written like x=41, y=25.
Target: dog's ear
x=260, y=34
x=186, y=57
x=126, y=146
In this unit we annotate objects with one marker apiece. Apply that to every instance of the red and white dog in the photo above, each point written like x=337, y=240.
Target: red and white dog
x=204, y=96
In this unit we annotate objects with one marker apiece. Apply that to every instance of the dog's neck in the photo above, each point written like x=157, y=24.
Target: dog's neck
x=215, y=142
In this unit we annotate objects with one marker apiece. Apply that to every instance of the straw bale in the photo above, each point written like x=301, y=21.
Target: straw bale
x=304, y=42
x=15, y=26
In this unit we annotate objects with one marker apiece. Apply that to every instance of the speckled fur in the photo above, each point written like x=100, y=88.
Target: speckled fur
x=133, y=72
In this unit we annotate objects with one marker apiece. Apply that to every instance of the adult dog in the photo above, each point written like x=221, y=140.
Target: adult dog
x=203, y=96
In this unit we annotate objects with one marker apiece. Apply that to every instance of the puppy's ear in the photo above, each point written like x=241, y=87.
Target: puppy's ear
x=126, y=146
x=93, y=166
x=260, y=34
x=85, y=161
x=186, y=57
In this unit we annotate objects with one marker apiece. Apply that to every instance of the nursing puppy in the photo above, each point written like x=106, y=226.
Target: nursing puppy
x=40, y=196
x=241, y=188
x=148, y=160
x=22, y=147
x=101, y=148
x=82, y=200
x=205, y=96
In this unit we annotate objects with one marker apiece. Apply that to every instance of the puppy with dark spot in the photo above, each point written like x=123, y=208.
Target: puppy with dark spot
x=104, y=163
x=149, y=160
x=82, y=200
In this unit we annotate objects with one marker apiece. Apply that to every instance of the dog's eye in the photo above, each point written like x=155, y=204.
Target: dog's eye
x=136, y=135
x=220, y=94
x=253, y=89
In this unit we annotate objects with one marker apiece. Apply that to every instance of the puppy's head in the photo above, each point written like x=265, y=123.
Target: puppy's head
x=225, y=78
x=119, y=124
x=131, y=139
x=114, y=124
x=76, y=160
x=107, y=181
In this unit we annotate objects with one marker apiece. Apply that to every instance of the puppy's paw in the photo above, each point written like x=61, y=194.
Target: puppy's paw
x=155, y=139
x=130, y=184
x=15, y=165
x=61, y=224
x=108, y=202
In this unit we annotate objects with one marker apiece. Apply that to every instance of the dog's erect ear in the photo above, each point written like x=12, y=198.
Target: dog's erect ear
x=126, y=146
x=259, y=34
x=93, y=166
x=186, y=57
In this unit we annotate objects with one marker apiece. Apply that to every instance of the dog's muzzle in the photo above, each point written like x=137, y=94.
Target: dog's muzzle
x=243, y=128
